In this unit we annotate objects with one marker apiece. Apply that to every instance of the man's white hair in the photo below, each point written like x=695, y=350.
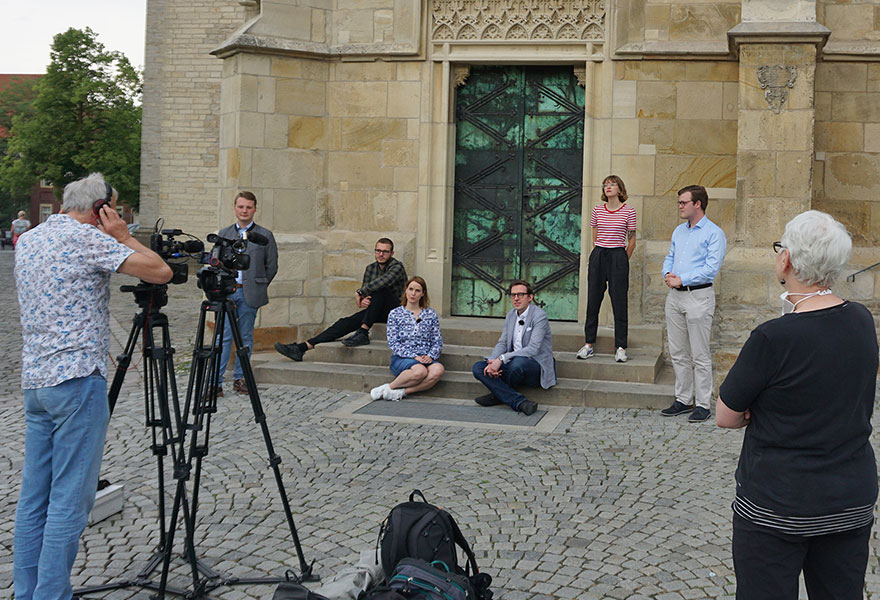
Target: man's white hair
x=81, y=195
x=819, y=247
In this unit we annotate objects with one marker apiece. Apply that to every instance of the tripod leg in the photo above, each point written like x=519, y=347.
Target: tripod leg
x=124, y=360
x=274, y=459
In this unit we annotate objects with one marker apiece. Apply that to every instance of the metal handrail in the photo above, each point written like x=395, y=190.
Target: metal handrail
x=853, y=276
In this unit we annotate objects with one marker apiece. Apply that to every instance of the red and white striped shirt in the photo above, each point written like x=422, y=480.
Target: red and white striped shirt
x=612, y=226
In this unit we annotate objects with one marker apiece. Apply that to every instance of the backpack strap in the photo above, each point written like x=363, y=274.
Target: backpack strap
x=396, y=537
x=412, y=497
x=462, y=543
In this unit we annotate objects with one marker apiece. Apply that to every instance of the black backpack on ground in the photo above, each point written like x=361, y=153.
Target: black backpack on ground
x=420, y=530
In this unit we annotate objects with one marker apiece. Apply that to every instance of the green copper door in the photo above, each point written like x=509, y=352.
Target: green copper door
x=518, y=178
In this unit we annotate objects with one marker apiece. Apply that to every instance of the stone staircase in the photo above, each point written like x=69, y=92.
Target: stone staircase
x=644, y=381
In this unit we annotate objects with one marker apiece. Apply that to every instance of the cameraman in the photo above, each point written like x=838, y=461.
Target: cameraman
x=62, y=273
x=251, y=286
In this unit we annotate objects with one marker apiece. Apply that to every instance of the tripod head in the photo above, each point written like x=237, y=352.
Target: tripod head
x=148, y=295
x=217, y=283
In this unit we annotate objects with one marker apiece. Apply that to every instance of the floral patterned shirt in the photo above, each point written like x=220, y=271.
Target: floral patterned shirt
x=62, y=275
x=408, y=338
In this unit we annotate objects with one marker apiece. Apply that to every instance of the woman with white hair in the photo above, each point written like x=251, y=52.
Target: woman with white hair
x=803, y=386
x=19, y=226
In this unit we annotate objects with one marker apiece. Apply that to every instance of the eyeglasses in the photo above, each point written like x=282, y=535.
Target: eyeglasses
x=518, y=294
x=684, y=202
x=777, y=246
x=377, y=251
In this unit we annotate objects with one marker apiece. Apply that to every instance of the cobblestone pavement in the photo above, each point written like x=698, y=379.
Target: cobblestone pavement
x=611, y=504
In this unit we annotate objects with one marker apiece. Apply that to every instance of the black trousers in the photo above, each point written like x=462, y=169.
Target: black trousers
x=381, y=303
x=767, y=563
x=608, y=266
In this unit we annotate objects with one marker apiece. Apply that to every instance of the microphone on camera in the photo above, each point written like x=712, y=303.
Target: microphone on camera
x=255, y=238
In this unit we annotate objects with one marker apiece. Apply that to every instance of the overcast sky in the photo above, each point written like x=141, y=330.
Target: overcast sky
x=28, y=28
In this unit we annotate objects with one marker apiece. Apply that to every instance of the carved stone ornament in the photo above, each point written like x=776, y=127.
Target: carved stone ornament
x=460, y=74
x=581, y=74
x=524, y=20
x=777, y=80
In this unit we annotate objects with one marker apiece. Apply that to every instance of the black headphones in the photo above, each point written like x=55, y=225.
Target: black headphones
x=105, y=201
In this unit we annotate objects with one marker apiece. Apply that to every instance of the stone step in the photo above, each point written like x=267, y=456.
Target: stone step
x=460, y=384
x=480, y=331
x=642, y=366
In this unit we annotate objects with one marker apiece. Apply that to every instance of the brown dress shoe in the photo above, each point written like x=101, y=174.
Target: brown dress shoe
x=240, y=386
x=218, y=391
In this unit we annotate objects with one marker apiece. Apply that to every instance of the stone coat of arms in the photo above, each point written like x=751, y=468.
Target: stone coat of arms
x=776, y=80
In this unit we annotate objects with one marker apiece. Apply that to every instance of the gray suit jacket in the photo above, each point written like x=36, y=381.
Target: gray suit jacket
x=264, y=265
x=537, y=342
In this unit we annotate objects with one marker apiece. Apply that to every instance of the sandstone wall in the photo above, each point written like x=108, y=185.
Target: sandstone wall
x=674, y=124
x=339, y=115
x=181, y=111
x=847, y=163
x=330, y=149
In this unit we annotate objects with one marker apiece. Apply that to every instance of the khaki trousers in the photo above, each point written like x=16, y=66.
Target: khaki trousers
x=688, y=325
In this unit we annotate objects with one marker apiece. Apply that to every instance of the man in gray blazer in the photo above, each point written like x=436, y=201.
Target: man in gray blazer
x=522, y=356
x=251, y=286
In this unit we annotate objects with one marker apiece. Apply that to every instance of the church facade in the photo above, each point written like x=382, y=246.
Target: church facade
x=477, y=133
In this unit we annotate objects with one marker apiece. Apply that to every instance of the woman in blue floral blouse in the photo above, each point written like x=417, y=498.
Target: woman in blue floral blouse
x=415, y=342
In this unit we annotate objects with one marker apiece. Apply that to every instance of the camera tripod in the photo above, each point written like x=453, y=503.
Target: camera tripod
x=165, y=426
x=201, y=402
x=169, y=427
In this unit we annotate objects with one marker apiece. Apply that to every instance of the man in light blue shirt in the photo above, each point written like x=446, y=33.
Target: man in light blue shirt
x=694, y=259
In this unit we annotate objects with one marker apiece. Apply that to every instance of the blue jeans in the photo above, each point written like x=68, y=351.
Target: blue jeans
x=400, y=364
x=65, y=427
x=247, y=314
x=519, y=371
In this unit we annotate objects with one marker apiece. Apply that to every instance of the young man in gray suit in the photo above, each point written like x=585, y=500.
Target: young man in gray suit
x=522, y=356
x=251, y=285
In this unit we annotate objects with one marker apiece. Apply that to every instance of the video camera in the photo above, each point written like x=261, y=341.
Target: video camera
x=170, y=248
x=225, y=259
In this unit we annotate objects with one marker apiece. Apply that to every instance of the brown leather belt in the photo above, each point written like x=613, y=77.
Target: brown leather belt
x=691, y=288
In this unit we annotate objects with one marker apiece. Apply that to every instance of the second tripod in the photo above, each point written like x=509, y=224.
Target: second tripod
x=201, y=402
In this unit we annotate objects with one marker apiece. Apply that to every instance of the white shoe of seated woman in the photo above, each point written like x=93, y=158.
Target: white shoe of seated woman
x=395, y=395
x=381, y=392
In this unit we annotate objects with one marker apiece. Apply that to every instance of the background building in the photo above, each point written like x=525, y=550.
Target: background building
x=476, y=134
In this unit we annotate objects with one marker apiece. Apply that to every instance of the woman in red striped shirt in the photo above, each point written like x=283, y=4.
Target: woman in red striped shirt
x=614, y=239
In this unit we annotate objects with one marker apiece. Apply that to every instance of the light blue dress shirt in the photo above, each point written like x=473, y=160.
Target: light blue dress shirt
x=695, y=253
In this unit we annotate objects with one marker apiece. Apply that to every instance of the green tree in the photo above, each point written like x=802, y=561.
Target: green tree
x=85, y=118
x=17, y=98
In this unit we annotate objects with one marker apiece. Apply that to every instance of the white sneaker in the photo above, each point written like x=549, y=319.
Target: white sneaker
x=395, y=395
x=620, y=355
x=378, y=393
x=585, y=352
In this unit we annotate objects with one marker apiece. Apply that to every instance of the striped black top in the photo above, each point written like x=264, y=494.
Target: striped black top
x=851, y=518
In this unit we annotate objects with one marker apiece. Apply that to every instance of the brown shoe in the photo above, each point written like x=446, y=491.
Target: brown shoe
x=218, y=391
x=240, y=386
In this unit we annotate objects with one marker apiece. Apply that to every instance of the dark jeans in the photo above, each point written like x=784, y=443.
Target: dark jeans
x=767, y=563
x=519, y=371
x=607, y=266
x=381, y=303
